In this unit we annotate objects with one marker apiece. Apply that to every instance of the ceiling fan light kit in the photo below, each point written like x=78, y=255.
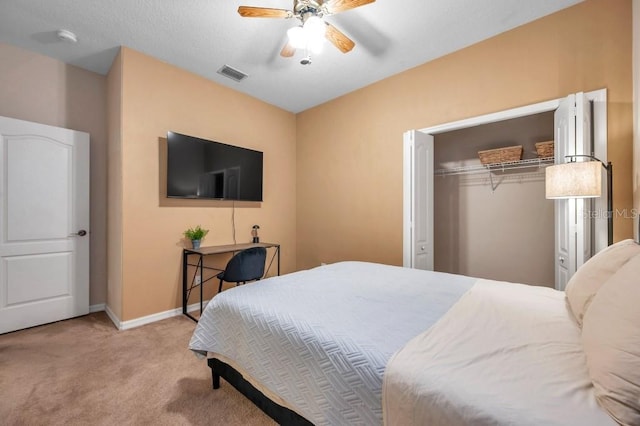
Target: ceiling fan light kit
x=312, y=32
x=309, y=36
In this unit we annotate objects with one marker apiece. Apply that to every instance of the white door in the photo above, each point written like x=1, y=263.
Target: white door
x=572, y=220
x=44, y=224
x=584, y=146
x=418, y=200
x=564, y=144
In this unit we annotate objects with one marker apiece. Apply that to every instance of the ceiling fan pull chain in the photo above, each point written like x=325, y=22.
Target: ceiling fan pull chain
x=307, y=57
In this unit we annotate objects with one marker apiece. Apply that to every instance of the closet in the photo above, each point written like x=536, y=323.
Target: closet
x=497, y=225
x=494, y=222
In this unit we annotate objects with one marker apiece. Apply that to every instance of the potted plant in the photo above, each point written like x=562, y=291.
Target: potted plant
x=196, y=235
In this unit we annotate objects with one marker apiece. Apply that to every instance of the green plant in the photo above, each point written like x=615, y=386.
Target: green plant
x=196, y=233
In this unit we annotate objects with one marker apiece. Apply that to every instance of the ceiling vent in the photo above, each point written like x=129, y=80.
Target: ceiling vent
x=232, y=73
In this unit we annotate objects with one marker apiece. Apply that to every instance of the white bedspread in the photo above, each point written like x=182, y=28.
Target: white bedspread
x=505, y=354
x=320, y=339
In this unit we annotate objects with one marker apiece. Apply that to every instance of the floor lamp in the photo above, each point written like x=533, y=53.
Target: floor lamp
x=581, y=180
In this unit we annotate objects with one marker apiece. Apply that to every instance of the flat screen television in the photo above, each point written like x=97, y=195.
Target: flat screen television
x=203, y=169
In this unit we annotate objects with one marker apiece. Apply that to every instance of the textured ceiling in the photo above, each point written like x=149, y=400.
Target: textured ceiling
x=201, y=36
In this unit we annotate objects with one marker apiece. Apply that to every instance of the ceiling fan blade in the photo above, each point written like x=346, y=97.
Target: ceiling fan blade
x=339, y=40
x=263, y=12
x=287, y=51
x=336, y=6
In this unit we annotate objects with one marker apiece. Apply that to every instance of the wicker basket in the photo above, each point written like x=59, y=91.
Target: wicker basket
x=501, y=155
x=544, y=149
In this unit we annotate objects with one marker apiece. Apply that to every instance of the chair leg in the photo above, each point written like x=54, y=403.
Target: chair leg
x=220, y=286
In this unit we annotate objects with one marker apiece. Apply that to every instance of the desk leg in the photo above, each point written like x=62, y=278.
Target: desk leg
x=184, y=282
x=185, y=292
x=201, y=282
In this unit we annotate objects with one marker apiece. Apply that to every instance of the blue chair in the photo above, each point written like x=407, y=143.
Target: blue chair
x=246, y=265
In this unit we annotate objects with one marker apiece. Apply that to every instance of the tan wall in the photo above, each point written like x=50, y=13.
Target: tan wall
x=114, y=213
x=156, y=98
x=349, y=154
x=43, y=90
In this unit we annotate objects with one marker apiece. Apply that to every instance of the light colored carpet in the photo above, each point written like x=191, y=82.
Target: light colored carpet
x=85, y=372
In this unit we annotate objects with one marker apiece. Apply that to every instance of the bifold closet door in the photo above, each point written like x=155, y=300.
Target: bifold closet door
x=573, y=225
x=418, y=200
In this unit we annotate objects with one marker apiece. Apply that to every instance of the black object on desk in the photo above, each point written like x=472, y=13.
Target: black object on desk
x=199, y=255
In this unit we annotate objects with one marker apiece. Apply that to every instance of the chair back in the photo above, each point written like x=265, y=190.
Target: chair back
x=246, y=265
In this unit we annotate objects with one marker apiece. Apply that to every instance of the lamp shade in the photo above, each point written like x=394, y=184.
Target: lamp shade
x=297, y=37
x=315, y=27
x=310, y=36
x=574, y=180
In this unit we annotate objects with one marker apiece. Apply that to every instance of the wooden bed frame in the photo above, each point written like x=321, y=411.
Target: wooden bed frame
x=277, y=412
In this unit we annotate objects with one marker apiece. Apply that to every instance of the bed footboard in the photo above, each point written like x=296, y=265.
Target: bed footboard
x=280, y=414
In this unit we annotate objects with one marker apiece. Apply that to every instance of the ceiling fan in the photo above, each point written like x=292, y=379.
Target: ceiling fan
x=313, y=29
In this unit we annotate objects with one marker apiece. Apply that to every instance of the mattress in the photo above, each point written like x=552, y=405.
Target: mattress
x=321, y=339
x=504, y=354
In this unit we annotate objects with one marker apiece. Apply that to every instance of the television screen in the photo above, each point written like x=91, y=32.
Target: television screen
x=200, y=168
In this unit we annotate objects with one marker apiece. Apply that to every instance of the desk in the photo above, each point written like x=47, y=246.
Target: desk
x=198, y=274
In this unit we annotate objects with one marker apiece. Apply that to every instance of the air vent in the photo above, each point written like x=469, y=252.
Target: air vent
x=232, y=73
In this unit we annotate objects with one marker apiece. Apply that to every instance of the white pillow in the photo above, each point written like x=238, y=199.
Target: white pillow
x=584, y=284
x=611, y=339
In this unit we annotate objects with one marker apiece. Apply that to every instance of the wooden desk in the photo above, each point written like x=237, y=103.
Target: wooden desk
x=198, y=274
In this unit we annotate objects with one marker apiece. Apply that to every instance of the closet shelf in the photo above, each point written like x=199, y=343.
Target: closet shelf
x=498, y=167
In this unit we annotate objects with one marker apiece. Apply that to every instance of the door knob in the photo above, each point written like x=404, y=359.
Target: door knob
x=422, y=248
x=80, y=233
x=561, y=259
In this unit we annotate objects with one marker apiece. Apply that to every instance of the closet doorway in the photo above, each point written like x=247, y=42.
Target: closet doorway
x=483, y=216
x=499, y=225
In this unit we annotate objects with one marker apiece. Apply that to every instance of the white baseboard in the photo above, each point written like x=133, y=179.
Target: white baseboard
x=114, y=319
x=126, y=325
x=97, y=308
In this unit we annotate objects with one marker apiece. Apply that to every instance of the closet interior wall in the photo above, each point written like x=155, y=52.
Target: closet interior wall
x=497, y=227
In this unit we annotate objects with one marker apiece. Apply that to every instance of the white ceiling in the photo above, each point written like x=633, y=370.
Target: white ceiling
x=202, y=35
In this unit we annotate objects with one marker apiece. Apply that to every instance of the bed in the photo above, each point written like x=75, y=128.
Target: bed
x=368, y=344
